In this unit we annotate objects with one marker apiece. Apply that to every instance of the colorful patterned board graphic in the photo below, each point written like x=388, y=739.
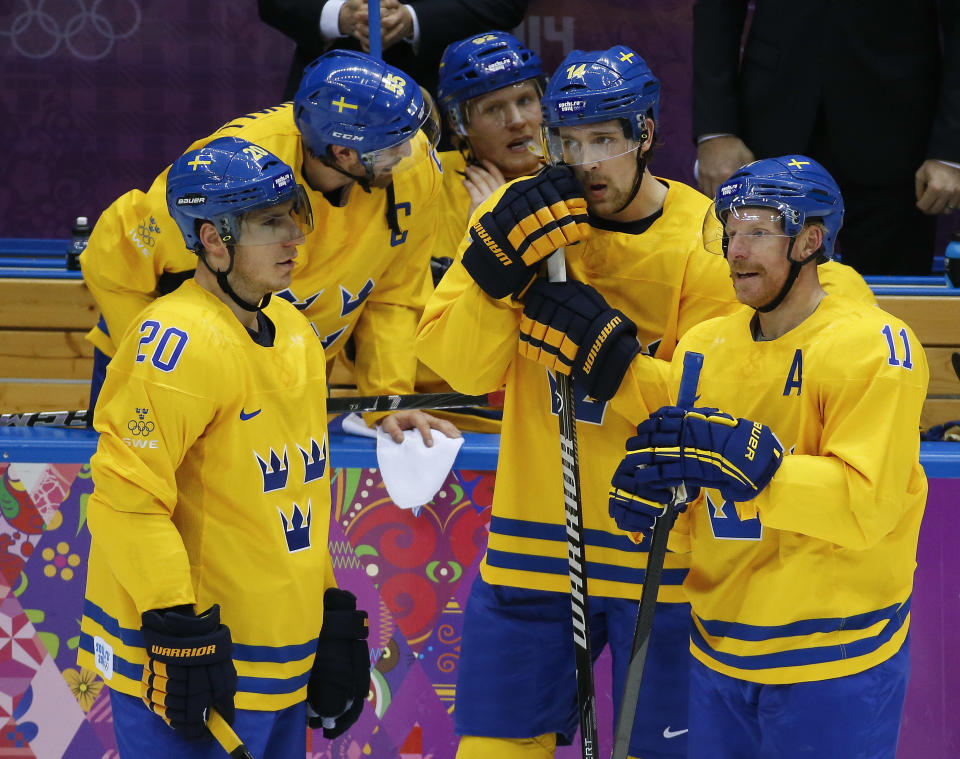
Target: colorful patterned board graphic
x=412, y=573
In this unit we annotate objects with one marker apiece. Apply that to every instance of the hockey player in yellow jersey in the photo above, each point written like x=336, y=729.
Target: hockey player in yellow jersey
x=489, y=96
x=360, y=136
x=638, y=243
x=210, y=584
x=803, y=541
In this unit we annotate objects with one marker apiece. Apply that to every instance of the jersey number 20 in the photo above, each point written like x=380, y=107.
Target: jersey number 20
x=167, y=350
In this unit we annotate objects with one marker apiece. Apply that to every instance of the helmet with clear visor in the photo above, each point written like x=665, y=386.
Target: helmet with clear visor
x=482, y=64
x=246, y=192
x=350, y=99
x=594, y=87
x=775, y=198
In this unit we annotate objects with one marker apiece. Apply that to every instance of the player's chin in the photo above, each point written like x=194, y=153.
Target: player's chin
x=382, y=180
x=522, y=164
x=752, y=290
x=283, y=275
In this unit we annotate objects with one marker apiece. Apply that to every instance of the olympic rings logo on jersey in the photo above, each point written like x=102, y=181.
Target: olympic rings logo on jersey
x=140, y=427
x=88, y=34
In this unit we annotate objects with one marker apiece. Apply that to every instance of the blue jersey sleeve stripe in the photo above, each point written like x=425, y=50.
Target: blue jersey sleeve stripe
x=595, y=570
x=241, y=651
x=125, y=635
x=120, y=665
x=740, y=631
x=801, y=656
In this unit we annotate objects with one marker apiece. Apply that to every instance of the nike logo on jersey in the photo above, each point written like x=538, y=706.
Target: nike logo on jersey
x=668, y=733
x=244, y=416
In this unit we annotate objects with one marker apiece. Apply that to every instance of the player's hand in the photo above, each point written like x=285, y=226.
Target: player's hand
x=398, y=421
x=533, y=218
x=635, y=505
x=340, y=678
x=569, y=328
x=717, y=159
x=396, y=24
x=702, y=447
x=354, y=20
x=481, y=182
x=189, y=668
x=937, y=187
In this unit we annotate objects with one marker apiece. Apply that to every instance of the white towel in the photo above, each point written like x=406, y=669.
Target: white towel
x=411, y=472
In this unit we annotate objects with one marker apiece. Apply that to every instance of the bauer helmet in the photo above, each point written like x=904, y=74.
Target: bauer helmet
x=226, y=179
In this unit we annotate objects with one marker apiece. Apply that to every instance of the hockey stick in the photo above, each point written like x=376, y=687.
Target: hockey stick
x=686, y=396
x=373, y=24
x=335, y=405
x=570, y=458
x=226, y=737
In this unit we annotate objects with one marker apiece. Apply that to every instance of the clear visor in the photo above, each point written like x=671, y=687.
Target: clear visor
x=289, y=221
x=587, y=144
x=752, y=226
x=511, y=105
x=410, y=152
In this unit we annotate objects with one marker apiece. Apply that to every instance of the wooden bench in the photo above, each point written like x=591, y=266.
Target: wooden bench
x=46, y=362
x=936, y=320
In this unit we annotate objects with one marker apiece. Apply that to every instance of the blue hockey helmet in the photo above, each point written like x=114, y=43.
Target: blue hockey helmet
x=351, y=99
x=596, y=86
x=481, y=64
x=226, y=179
x=798, y=188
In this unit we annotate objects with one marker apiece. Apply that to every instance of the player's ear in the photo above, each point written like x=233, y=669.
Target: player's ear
x=648, y=142
x=808, y=242
x=343, y=155
x=213, y=244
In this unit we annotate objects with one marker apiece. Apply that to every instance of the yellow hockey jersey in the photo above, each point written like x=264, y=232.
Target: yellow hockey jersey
x=454, y=206
x=211, y=487
x=839, y=279
x=657, y=272
x=811, y=579
x=353, y=275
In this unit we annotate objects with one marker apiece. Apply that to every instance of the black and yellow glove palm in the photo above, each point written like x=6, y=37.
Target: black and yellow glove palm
x=532, y=219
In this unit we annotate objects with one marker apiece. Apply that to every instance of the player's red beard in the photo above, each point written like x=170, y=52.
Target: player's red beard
x=753, y=283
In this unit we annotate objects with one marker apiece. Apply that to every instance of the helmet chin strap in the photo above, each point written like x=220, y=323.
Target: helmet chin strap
x=225, y=283
x=641, y=167
x=795, y=267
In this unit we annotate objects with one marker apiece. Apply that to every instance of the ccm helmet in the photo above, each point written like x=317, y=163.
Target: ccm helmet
x=351, y=99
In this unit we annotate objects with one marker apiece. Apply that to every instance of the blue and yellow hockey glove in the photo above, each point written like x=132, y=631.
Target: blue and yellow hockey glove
x=703, y=447
x=189, y=668
x=635, y=505
x=532, y=219
x=340, y=681
x=568, y=327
